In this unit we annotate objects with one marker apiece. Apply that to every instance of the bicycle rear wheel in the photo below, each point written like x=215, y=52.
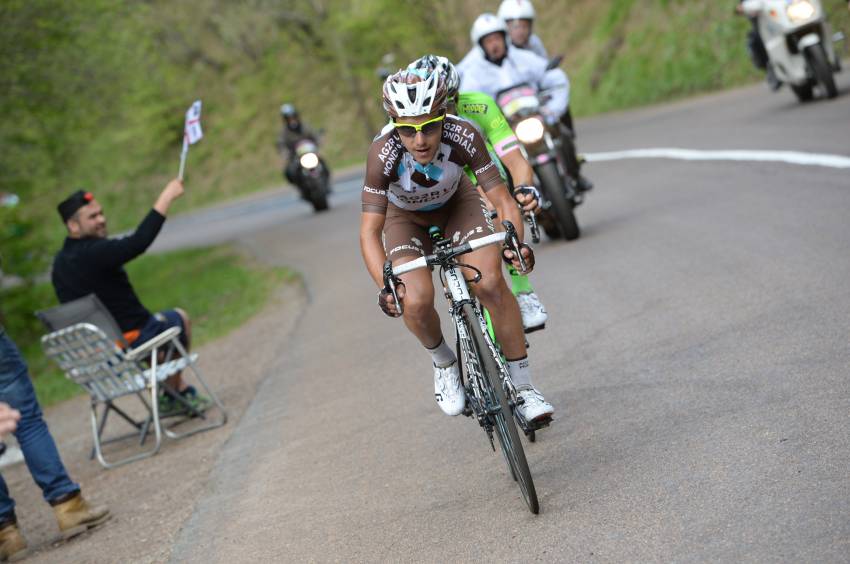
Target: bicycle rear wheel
x=503, y=419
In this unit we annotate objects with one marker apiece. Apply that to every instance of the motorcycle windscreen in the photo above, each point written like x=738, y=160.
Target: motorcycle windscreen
x=305, y=146
x=517, y=99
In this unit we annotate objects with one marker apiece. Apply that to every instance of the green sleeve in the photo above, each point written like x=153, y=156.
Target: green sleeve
x=483, y=110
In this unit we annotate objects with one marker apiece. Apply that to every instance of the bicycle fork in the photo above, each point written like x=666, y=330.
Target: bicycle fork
x=457, y=291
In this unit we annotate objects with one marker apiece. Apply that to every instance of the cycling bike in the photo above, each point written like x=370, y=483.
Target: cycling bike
x=491, y=396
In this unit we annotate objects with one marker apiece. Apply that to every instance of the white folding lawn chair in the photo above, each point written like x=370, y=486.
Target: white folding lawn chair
x=89, y=347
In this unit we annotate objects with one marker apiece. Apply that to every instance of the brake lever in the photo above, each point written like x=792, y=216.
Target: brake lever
x=513, y=244
x=531, y=220
x=529, y=217
x=390, y=284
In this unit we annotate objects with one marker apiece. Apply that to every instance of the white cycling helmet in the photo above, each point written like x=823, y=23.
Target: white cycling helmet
x=430, y=63
x=484, y=25
x=414, y=92
x=516, y=10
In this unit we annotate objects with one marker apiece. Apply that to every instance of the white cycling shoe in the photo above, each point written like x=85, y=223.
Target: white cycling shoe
x=533, y=407
x=448, y=390
x=534, y=315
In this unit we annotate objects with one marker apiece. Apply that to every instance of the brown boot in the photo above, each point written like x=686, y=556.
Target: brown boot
x=13, y=547
x=76, y=516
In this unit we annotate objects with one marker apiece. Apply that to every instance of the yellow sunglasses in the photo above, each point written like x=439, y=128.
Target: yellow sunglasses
x=427, y=128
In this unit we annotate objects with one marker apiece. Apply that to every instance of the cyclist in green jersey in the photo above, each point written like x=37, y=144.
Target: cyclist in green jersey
x=484, y=113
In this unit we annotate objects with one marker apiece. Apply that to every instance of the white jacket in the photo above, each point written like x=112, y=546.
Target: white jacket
x=477, y=74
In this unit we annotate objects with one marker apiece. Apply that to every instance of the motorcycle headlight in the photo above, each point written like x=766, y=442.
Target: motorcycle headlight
x=530, y=130
x=800, y=11
x=310, y=161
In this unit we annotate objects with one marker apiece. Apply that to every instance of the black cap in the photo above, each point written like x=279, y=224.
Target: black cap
x=72, y=203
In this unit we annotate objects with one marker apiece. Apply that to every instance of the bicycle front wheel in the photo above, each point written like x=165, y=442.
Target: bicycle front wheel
x=503, y=420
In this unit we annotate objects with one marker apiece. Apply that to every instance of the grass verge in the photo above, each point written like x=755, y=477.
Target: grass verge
x=219, y=288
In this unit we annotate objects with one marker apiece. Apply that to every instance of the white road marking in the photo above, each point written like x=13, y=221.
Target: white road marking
x=791, y=157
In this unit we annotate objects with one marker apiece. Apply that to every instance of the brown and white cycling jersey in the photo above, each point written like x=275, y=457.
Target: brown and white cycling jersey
x=394, y=176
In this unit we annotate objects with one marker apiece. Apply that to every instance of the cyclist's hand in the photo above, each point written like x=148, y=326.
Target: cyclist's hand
x=527, y=255
x=528, y=198
x=387, y=302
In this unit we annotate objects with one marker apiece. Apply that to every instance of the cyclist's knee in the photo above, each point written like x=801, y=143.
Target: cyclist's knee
x=418, y=302
x=490, y=290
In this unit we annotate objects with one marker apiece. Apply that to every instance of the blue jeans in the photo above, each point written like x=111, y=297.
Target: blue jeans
x=37, y=444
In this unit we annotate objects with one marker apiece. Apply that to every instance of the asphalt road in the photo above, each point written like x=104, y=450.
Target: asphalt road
x=697, y=353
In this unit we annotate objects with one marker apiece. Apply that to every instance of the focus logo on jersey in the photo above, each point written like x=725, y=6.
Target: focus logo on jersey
x=485, y=168
x=394, y=250
x=370, y=190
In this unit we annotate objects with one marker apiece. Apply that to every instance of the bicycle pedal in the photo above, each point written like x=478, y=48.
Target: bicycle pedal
x=533, y=329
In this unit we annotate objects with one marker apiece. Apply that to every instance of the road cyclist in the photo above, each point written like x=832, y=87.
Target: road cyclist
x=503, y=146
x=414, y=180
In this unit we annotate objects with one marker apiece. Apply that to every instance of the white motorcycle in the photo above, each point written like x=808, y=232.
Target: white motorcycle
x=799, y=44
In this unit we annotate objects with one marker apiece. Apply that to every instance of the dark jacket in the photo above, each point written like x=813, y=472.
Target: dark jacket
x=94, y=265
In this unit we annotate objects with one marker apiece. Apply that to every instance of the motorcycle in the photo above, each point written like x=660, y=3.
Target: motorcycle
x=541, y=146
x=314, y=176
x=799, y=44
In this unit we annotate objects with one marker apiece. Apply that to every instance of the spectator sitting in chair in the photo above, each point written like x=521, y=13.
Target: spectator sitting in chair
x=90, y=262
x=21, y=414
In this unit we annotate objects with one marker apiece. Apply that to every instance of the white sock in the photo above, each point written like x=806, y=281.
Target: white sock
x=443, y=355
x=520, y=373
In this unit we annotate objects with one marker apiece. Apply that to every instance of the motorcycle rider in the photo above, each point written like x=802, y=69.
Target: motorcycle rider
x=757, y=50
x=493, y=65
x=292, y=132
x=415, y=179
x=519, y=17
x=484, y=113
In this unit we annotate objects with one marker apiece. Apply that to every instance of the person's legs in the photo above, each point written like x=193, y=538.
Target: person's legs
x=185, y=325
x=470, y=220
x=405, y=239
x=571, y=161
x=567, y=120
x=39, y=449
x=534, y=315
x=291, y=171
x=158, y=323
x=520, y=283
x=7, y=504
x=73, y=513
x=755, y=45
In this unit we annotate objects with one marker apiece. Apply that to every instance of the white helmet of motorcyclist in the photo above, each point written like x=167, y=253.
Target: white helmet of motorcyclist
x=484, y=25
x=516, y=10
